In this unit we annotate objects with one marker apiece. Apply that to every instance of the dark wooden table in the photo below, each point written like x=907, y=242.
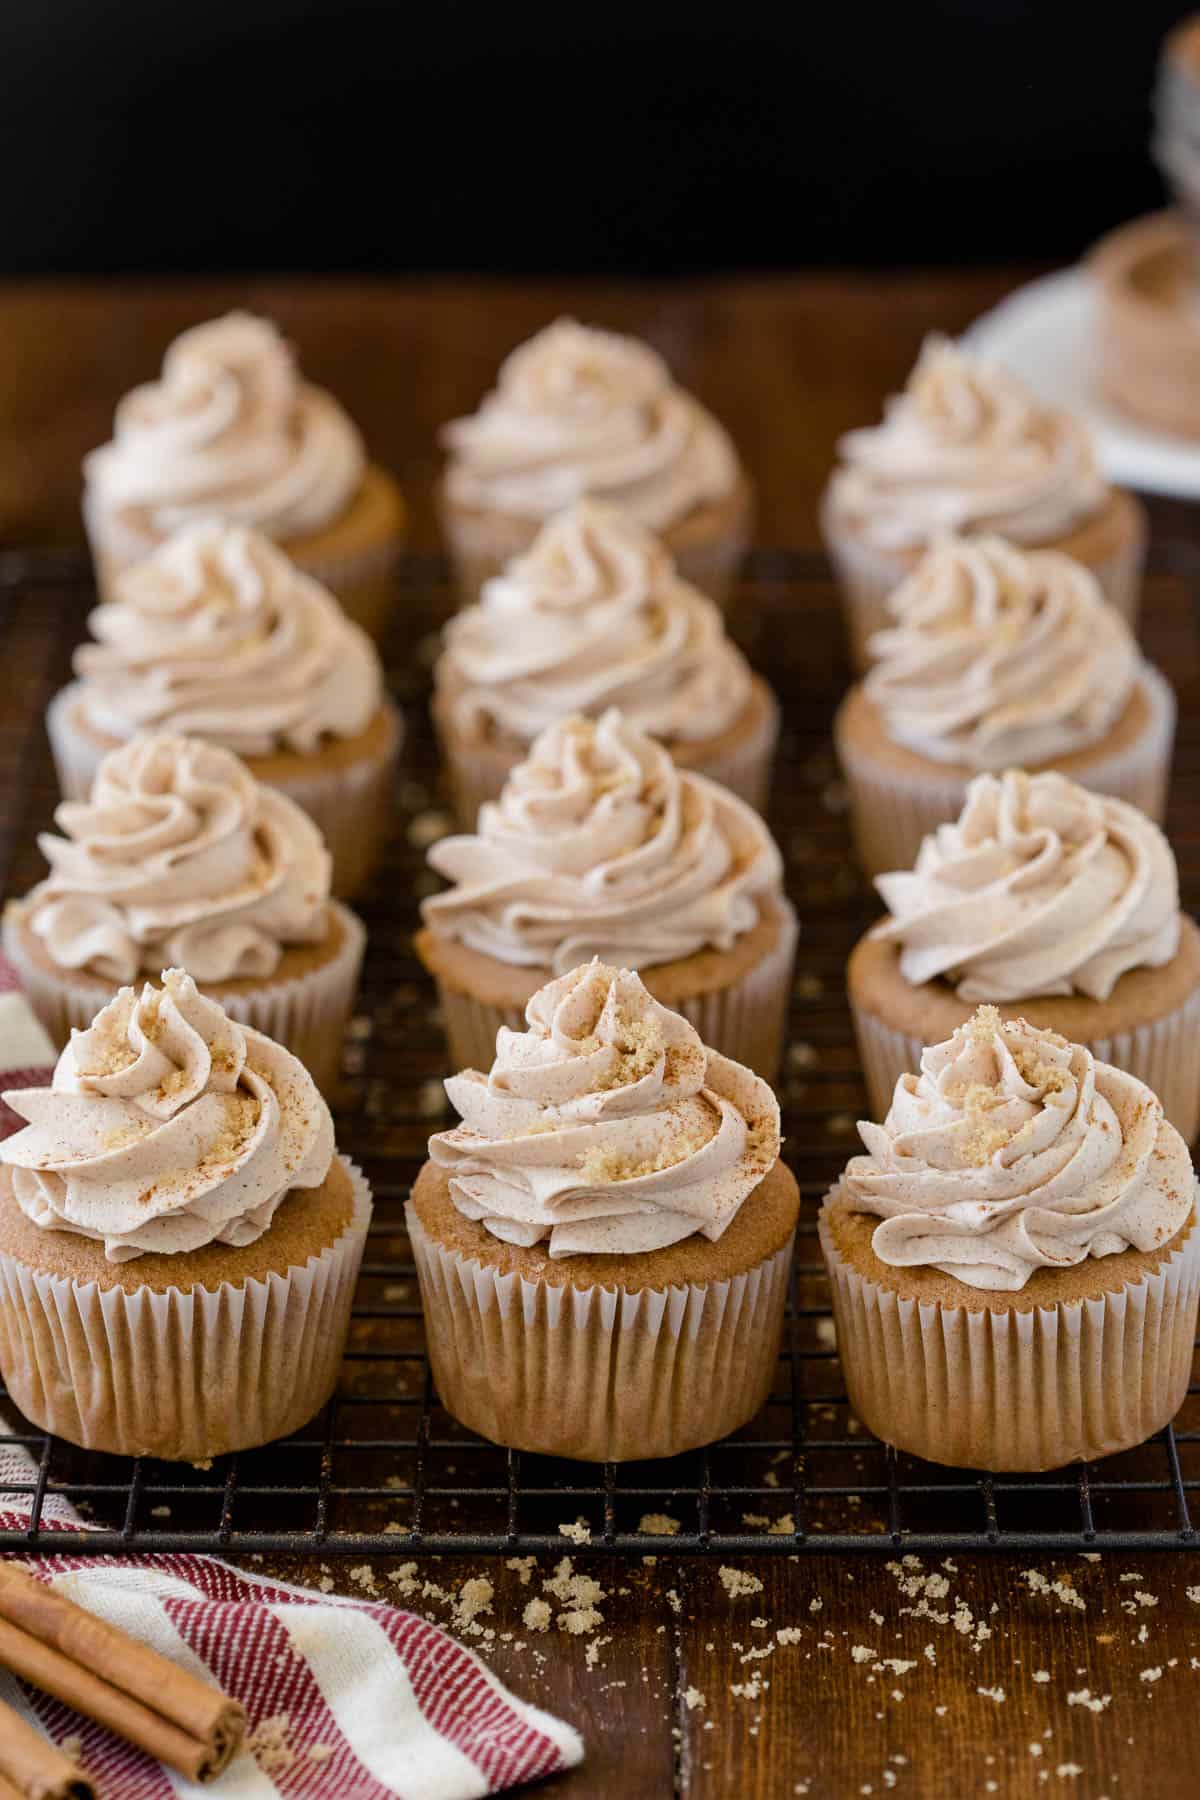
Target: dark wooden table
x=984, y=1675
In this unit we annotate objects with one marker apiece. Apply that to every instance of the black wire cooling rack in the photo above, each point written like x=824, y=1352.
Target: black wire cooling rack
x=384, y=1469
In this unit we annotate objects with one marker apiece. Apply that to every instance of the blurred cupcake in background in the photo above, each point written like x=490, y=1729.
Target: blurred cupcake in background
x=1015, y=1261
x=575, y=413
x=604, y=1243
x=180, y=858
x=601, y=846
x=967, y=449
x=219, y=636
x=179, y=1241
x=1052, y=902
x=595, y=615
x=1176, y=139
x=231, y=429
x=997, y=658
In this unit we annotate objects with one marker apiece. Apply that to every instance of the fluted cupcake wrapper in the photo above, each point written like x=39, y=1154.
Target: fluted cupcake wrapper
x=893, y=809
x=1163, y=1052
x=352, y=803
x=866, y=577
x=598, y=1373
x=364, y=581
x=1017, y=1390
x=476, y=770
x=308, y=1014
x=183, y=1376
x=744, y=1021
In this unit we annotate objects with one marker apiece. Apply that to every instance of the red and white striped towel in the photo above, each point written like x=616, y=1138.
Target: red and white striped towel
x=346, y=1699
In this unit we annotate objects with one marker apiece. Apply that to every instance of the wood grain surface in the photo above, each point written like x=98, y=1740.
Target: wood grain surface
x=833, y=1678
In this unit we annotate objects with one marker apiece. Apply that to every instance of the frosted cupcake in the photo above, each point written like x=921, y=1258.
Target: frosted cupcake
x=1049, y=901
x=595, y=615
x=601, y=846
x=578, y=412
x=180, y=858
x=179, y=1242
x=218, y=636
x=231, y=429
x=1015, y=1261
x=967, y=449
x=603, y=1244
x=997, y=658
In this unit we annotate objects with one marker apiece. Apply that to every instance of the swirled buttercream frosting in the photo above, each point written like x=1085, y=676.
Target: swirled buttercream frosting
x=966, y=448
x=167, y=1126
x=600, y=846
x=229, y=428
x=578, y=411
x=1000, y=656
x=594, y=615
x=217, y=635
x=607, y=1126
x=181, y=858
x=1014, y=1150
x=1039, y=887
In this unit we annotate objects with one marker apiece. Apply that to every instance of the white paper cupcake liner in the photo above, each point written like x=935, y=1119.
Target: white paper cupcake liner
x=867, y=576
x=1017, y=1390
x=307, y=1014
x=598, y=1373
x=353, y=807
x=183, y=1376
x=1164, y=1053
x=893, y=810
x=745, y=1021
x=352, y=804
x=365, y=582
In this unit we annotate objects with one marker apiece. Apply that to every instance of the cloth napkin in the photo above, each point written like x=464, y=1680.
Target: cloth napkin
x=346, y=1699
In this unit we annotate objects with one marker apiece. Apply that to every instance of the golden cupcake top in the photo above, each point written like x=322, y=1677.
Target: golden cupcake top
x=577, y=411
x=167, y=1126
x=1039, y=887
x=999, y=656
x=1014, y=1150
x=599, y=845
x=606, y=1126
x=593, y=615
x=228, y=428
x=179, y=857
x=966, y=448
x=219, y=635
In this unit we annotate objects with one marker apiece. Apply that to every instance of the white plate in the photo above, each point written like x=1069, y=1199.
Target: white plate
x=1043, y=333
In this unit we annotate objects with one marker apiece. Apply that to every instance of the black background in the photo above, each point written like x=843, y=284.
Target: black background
x=344, y=134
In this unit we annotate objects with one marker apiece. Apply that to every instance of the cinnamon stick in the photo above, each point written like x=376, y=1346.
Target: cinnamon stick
x=110, y=1677
x=32, y=1768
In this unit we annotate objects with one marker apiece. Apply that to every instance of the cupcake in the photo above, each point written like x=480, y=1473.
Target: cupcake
x=1176, y=142
x=217, y=636
x=1015, y=1261
x=595, y=615
x=603, y=1245
x=997, y=658
x=181, y=858
x=230, y=429
x=179, y=1242
x=1146, y=354
x=1048, y=900
x=967, y=449
x=601, y=846
x=580, y=412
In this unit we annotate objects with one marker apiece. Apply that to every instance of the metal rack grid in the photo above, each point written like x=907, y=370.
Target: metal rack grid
x=384, y=1469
